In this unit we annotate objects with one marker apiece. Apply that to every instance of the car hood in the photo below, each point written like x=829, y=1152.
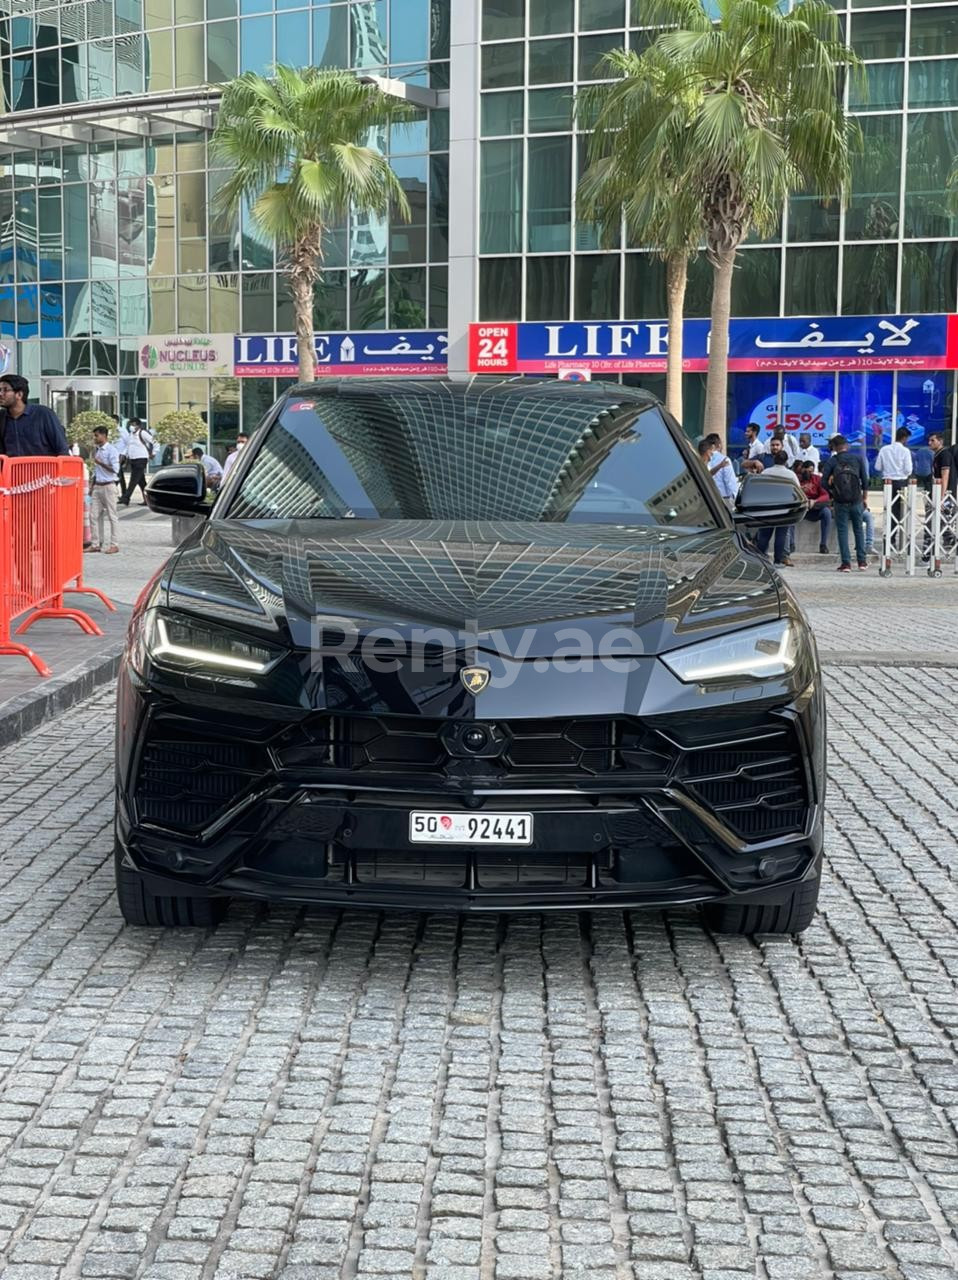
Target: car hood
x=510, y=588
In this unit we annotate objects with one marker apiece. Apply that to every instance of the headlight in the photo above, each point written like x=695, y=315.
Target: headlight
x=759, y=653
x=202, y=648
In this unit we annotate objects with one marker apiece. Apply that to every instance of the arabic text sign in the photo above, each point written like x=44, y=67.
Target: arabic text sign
x=187, y=355
x=641, y=346
x=359, y=353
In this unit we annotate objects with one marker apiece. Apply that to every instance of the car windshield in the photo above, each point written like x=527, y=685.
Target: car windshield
x=435, y=451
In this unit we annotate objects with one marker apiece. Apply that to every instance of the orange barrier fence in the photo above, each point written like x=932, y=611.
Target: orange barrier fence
x=41, y=546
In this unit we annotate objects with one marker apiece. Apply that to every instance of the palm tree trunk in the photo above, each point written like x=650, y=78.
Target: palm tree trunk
x=716, y=386
x=303, y=271
x=676, y=276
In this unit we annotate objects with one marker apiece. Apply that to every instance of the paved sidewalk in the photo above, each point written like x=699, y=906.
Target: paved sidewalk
x=79, y=661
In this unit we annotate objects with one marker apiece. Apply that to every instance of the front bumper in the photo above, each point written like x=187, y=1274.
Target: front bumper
x=691, y=810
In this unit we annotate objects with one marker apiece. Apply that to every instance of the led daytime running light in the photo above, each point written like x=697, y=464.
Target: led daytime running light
x=165, y=648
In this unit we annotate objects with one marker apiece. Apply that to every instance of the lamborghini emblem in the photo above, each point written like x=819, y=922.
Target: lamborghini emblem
x=474, y=679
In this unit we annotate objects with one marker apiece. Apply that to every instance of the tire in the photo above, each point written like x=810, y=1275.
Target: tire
x=140, y=907
x=791, y=916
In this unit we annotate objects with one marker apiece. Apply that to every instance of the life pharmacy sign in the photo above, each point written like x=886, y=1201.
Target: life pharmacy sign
x=823, y=343
x=188, y=355
x=355, y=354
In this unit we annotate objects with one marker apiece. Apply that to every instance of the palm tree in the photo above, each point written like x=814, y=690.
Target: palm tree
x=294, y=144
x=640, y=122
x=764, y=93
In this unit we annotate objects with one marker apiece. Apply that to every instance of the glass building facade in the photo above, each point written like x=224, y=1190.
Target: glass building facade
x=106, y=234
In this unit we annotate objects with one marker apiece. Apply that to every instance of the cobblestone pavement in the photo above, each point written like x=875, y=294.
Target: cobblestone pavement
x=313, y=1096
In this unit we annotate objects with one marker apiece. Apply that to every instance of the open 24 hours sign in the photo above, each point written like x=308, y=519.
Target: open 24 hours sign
x=861, y=343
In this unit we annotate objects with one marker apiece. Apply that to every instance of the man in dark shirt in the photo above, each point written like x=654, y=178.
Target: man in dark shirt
x=846, y=478
x=28, y=430
x=943, y=464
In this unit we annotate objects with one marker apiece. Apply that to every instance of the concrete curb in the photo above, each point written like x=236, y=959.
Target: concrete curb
x=29, y=710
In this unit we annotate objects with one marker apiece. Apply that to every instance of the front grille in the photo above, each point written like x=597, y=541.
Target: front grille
x=582, y=747
x=757, y=789
x=185, y=783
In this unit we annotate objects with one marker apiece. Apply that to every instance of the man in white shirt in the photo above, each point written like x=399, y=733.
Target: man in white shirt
x=138, y=444
x=806, y=451
x=753, y=439
x=214, y=472
x=233, y=456
x=106, y=476
x=895, y=463
x=722, y=471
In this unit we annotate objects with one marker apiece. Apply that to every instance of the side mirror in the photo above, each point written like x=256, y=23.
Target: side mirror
x=178, y=490
x=765, y=502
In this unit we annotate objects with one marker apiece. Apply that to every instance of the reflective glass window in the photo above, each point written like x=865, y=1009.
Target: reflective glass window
x=932, y=148
x=503, y=65
x=258, y=303
x=596, y=286
x=592, y=49
x=224, y=303
x=160, y=74
x=23, y=84
x=292, y=37
x=645, y=296
x=756, y=282
x=547, y=288
x=330, y=37
x=934, y=31
x=222, y=51
x=21, y=34
x=103, y=313
x=550, y=61
x=882, y=89
x=257, y=395
x=407, y=240
x=50, y=234
x=330, y=301
x=500, y=288
x=368, y=33
x=879, y=35
x=103, y=228
x=811, y=218
x=438, y=208
x=191, y=305
x=549, y=194
x=132, y=308
x=933, y=83
x=753, y=397
x=188, y=11
x=407, y=298
x=502, y=112
x=439, y=129
x=811, y=281
x=410, y=137
x=190, y=62
x=550, y=110
x=872, y=212
x=868, y=279
x=550, y=17
x=409, y=31
x=601, y=15
x=101, y=80
x=161, y=301
x=808, y=404
x=221, y=8
x=157, y=13
x=48, y=78
x=191, y=221
x=438, y=297
x=367, y=299
x=929, y=277
x=256, y=44
x=500, y=197
x=76, y=255
x=129, y=15
x=501, y=19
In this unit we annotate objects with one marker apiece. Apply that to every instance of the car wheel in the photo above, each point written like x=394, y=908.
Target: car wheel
x=140, y=907
x=791, y=916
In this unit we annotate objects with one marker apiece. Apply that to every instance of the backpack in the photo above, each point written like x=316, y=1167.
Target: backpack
x=846, y=481
x=149, y=446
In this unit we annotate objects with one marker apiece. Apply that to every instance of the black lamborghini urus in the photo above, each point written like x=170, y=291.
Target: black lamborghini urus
x=470, y=646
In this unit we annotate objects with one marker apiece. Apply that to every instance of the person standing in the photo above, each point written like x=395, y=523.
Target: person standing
x=106, y=476
x=777, y=466
x=922, y=459
x=942, y=464
x=846, y=479
x=806, y=451
x=894, y=461
x=720, y=469
x=233, y=455
x=28, y=430
x=139, y=449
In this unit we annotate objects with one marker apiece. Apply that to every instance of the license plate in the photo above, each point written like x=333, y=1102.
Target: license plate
x=470, y=828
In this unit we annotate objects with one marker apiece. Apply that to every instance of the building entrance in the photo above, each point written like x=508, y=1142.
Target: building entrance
x=68, y=397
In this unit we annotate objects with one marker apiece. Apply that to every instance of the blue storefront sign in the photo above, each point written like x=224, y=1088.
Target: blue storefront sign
x=810, y=344
x=362, y=353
